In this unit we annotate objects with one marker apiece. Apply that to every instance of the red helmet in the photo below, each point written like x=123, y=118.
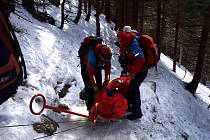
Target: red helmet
x=105, y=53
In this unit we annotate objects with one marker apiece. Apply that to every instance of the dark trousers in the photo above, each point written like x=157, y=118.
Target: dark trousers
x=133, y=94
x=124, y=69
x=89, y=91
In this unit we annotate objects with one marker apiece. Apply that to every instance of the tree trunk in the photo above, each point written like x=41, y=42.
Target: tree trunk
x=176, y=37
x=97, y=19
x=163, y=27
x=107, y=11
x=44, y=5
x=116, y=16
x=192, y=86
x=127, y=12
x=62, y=14
x=85, y=6
x=142, y=17
x=135, y=14
x=89, y=10
x=180, y=55
x=121, y=8
x=29, y=5
x=55, y=2
x=79, y=12
x=102, y=6
x=158, y=25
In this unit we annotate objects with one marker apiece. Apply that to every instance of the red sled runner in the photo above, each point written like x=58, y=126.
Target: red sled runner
x=40, y=98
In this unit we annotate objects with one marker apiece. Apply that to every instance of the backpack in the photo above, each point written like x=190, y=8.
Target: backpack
x=88, y=43
x=12, y=64
x=150, y=51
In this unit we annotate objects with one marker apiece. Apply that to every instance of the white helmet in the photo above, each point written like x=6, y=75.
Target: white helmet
x=127, y=29
x=135, y=31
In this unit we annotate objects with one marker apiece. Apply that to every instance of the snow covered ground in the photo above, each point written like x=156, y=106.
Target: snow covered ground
x=170, y=112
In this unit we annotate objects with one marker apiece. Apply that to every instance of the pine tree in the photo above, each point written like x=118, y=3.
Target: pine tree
x=176, y=36
x=158, y=24
x=135, y=14
x=85, y=6
x=97, y=19
x=107, y=11
x=79, y=12
x=141, y=16
x=88, y=10
x=192, y=86
x=62, y=14
x=29, y=5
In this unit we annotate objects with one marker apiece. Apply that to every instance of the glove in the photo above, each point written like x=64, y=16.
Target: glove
x=95, y=88
x=121, y=59
x=124, y=75
x=105, y=83
x=117, y=44
x=131, y=75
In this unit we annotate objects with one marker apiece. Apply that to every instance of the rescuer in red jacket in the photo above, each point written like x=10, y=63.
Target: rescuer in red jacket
x=131, y=52
x=94, y=58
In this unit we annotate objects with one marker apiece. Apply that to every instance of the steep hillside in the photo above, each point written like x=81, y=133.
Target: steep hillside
x=170, y=112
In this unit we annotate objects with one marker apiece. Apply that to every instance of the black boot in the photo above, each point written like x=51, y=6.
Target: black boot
x=82, y=95
x=134, y=116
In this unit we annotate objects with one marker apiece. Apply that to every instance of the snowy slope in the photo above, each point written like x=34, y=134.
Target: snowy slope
x=170, y=112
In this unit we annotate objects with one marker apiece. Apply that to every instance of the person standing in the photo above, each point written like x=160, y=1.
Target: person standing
x=96, y=57
x=134, y=55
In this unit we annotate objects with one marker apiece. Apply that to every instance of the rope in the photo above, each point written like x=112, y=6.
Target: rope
x=18, y=125
x=62, y=131
x=23, y=125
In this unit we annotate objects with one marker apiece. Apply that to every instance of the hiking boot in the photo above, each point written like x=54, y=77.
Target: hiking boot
x=133, y=117
x=90, y=112
x=130, y=109
x=82, y=95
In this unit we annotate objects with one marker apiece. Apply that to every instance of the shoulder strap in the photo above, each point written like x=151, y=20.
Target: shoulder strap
x=154, y=58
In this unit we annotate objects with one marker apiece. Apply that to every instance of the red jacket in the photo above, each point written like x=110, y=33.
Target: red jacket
x=92, y=62
x=129, y=46
x=113, y=105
